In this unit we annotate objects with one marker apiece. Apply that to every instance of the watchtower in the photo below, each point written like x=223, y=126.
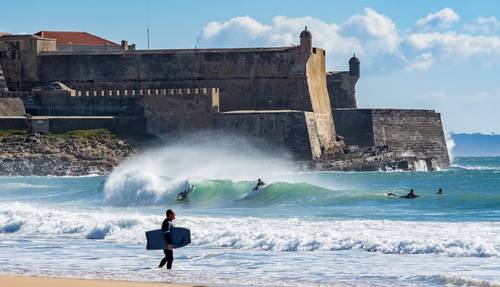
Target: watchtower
x=306, y=42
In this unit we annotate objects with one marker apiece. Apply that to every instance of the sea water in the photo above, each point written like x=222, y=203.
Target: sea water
x=303, y=229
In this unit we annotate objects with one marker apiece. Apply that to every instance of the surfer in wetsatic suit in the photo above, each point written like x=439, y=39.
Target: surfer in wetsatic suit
x=259, y=184
x=169, y=252
x=410, y=195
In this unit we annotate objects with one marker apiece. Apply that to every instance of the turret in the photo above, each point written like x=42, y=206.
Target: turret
x=354, y=66
x=306, y=41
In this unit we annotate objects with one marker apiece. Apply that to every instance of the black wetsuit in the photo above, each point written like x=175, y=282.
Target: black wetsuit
x=169, y=254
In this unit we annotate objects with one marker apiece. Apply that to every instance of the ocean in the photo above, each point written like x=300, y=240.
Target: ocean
x=303, y=229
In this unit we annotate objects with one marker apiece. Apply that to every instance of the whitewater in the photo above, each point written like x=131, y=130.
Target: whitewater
x=304, y=229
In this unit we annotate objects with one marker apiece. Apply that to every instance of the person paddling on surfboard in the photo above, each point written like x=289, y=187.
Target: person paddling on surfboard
x=169, y=252
x=410, y=195
x=259, y=184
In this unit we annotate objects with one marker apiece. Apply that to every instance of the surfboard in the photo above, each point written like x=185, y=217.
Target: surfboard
x=156, y=240
x=253, y=193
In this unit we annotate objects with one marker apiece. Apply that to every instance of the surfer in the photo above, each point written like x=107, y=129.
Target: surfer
x=410, y=195
x=184, y=194
x=440, y=191
x=169, y=252
x=259, y=184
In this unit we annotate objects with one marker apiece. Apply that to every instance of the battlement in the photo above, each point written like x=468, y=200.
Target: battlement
x=14, y=94
x=140, y=92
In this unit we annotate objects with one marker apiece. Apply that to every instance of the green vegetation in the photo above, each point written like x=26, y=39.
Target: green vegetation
x=9, y=133
x=87, y=134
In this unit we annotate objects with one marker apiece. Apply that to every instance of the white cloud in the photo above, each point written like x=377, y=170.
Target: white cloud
x=483, y=25
x=455, y=44
x=421, y=62
x=375, y=31
x=374, y=37
x=368, y=35
x=238, y=31
x=441, y=19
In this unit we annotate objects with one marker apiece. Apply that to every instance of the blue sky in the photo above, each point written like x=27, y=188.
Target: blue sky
x=442, y=55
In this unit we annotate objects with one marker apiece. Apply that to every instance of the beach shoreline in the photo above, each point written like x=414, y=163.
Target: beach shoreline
x=29, y=281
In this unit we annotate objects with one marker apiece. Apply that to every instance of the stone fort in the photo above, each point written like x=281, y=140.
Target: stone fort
x=59, y=81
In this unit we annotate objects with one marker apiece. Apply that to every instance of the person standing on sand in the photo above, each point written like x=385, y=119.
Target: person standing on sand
x=169, y=252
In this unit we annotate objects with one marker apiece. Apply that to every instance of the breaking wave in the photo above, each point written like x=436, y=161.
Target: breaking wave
x=472, y=239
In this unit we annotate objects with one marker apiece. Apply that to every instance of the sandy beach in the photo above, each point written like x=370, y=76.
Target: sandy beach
x=21, y=281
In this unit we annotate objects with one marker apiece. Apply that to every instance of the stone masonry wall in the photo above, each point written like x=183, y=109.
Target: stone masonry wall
x=264, y=78
x=180, y=111
x=11, y=104
x=164, y=110
x=412, y=133
x=409, y=133
x=342, y=90
x=294, y=131
x=355, y=126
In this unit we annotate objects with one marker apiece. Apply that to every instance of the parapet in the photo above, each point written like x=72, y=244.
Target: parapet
x=144, y=92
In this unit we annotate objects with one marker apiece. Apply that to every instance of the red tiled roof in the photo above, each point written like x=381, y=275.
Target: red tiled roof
x=75, y=38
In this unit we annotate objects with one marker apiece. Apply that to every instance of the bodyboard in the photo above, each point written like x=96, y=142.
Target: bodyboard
x=156, y=240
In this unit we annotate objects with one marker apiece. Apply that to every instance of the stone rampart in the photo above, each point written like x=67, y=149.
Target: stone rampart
x=164, y=110
x=62, y=124
x=342, y=89
x=409, y=133
x=295, y=131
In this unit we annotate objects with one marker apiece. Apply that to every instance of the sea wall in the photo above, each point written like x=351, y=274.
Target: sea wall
x=412, y=133
x=355, y=126
x=295, y=131
x=416, y=134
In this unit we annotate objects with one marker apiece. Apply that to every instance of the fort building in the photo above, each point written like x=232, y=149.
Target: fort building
x=281, y=94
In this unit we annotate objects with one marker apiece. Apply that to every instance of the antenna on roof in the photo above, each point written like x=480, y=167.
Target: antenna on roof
x=147, y=19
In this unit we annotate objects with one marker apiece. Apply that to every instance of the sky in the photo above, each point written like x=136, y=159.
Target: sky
x=441, y=55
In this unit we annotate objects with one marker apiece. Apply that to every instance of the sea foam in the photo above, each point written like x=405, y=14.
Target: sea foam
x=468, y=239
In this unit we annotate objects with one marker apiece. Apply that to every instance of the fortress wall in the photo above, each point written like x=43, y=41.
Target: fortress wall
x=18, y=58
x=417, y=133
x=11, y=104
x=164, y=110
x=13, y=123
x=69, y=123
x=341, y=89
x=264, y=78
x=409, y=133
x=320, y=102
x=84, y=103
x=285, y=129
x=180, y=110
x=355, y=126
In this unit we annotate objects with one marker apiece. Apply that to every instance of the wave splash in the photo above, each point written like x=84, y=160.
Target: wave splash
x=155, y=174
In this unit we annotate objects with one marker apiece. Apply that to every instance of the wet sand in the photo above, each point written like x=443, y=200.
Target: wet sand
x=22, y=281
